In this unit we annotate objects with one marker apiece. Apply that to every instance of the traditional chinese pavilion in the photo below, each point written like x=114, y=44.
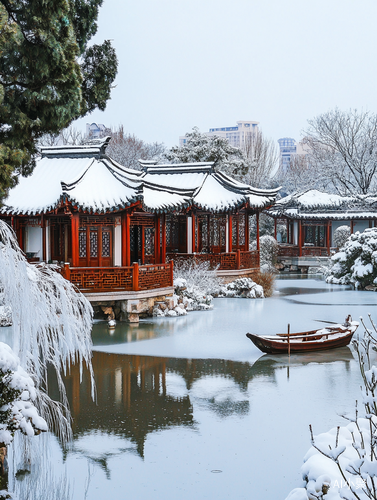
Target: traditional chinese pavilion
x=116, y=230
x=311, y=218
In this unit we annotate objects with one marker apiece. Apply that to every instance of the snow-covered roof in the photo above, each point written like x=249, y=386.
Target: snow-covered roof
x=87, y=178
x=207, y=189
x=315, y=204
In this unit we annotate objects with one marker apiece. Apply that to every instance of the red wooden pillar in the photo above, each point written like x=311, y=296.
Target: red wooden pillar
x=352, y=225
x=300, y=238
x=238, y=258
x=66, y=272
x=208, y=233
x=99, y=246
x=171, y=265
x=135, y=276
x=126, y=247
x=193, y=232
x=275, y=229
x=75, y=224
x=142, y=245
x=19, y=232
x=328, y=237
x=246, y=231
x=238, y=232
x=163, y=249
x=230, y=233
x=43, y=225
x=157, y=239
x=258, y=245
x=199, y=238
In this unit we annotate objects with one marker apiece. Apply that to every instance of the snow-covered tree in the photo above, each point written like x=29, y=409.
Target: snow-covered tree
x=69, y=135
x=17, y=396
x=342, y=150
x=356, y=261
x=52, y=324
x=342, y=463
x=341, y=235
x=268, y=251
x=301, y=176
x=127, y=149
x=262, y=156
x=49, y=75
x=201, y=148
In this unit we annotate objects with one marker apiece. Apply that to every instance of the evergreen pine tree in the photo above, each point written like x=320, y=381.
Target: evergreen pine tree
x=48, y=75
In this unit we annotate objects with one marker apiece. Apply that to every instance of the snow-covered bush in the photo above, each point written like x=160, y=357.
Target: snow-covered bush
x=242, y=287
x=5, y=316
x=341, y=235
x=268, y=251
x=195, y=281
x=17, y=396
x=356, y=261
x=342, y=463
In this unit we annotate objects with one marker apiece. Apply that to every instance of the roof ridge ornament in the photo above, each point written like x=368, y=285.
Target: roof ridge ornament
x=92, y=148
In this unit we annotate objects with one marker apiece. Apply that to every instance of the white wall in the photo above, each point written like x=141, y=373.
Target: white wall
x=189, y=234
x=118, y=245
x=34, y=240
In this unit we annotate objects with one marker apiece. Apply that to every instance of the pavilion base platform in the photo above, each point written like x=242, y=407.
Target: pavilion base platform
x=300, y=264
x=229, y=275
x=129, y=305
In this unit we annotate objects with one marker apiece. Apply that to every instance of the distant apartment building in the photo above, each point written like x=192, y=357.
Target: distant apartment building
x=96, y=131
x=237, y=136
x=289, y=148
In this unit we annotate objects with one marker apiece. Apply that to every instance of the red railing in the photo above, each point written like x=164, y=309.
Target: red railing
x=225, y=261
x=107, y=279
x=315, y=251
x=286, y=250
x=306, y=251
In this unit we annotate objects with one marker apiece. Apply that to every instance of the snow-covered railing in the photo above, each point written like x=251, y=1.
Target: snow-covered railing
x=131, y=278
x=223, y=261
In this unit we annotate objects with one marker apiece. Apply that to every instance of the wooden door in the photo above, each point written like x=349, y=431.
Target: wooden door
x=95, y=246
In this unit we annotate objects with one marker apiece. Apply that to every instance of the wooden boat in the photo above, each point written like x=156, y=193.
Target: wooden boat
x=323, y=339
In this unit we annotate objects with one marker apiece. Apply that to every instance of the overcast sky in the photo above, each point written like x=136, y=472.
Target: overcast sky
x=209, y=63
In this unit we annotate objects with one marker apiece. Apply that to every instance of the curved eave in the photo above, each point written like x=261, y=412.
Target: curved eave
x=324, y=215
x=91, y=209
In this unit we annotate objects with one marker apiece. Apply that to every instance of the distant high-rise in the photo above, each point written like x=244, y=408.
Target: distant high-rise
x=237, y=136
x=288, y=147
x=95, y=131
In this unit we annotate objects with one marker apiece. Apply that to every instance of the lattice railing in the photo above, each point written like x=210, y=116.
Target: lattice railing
x=225, y=261
x=249, y=260
x=307, y=251
x=315, y=251
x=288, y=251
x=155, y=276
x=107, y=279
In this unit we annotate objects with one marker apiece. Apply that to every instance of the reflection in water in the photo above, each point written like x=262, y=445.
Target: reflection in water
x=130, y=332
x=131, y=398
x=165, y=420
x=133, y=401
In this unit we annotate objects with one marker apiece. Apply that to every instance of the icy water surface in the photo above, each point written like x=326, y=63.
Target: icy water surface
x=189, y=408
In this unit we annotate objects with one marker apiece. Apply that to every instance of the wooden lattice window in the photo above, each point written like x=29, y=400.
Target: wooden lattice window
x=149, y=241
x=93, y=242
x=105, y=243
x=82, y=242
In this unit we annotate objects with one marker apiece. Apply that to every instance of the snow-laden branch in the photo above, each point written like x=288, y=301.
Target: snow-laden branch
x=51, y=322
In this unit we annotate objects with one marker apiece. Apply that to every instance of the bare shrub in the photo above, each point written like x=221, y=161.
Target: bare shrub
x=267, y=281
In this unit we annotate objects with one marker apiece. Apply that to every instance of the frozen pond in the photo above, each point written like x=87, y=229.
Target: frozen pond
x=189, y=408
